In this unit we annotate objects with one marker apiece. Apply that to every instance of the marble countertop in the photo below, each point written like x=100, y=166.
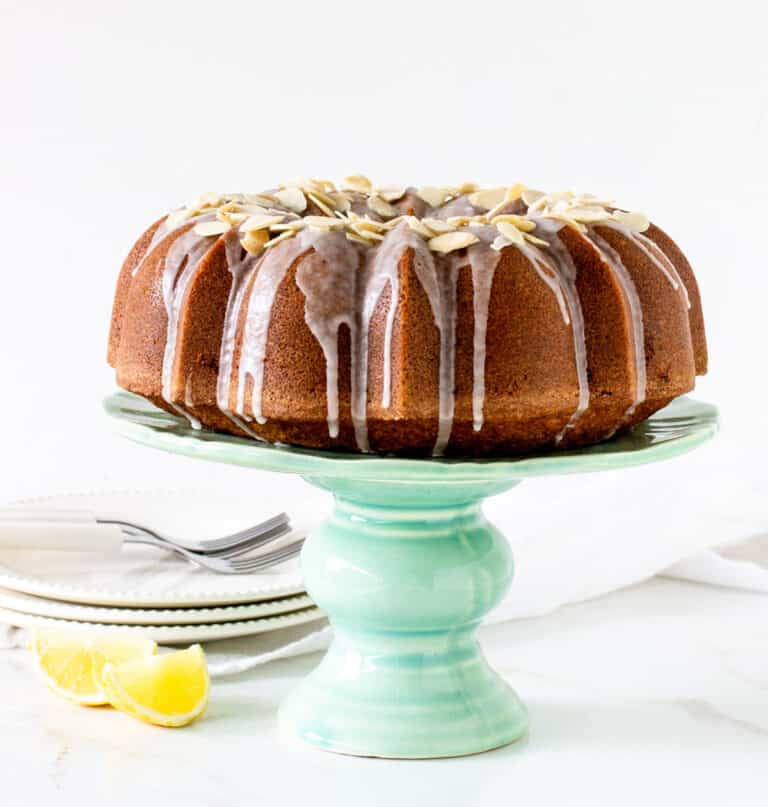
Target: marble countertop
x=657, y=694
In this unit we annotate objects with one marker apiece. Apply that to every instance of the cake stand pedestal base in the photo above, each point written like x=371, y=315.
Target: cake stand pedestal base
x=405, y=572
x=406, y=568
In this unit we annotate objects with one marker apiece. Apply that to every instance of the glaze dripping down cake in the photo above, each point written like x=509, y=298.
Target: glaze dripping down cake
x=453, y=321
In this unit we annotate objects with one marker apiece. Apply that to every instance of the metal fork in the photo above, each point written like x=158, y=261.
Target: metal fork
x=237, y=543
x=217, y=554
x=223, y=564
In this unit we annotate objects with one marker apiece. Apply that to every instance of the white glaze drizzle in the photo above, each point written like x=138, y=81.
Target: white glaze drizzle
x=272, y=268
x=656, y=255
x=483, y=261
x=240, y=266
x=181, y=263
x=560, y=275
x=438, y=279
x=328, y=276
x=613, y=260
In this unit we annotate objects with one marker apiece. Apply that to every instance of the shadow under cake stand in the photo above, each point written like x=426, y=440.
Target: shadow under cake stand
x=406, y=567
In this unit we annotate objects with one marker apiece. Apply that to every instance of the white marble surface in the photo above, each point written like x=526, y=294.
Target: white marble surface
x=657, y=694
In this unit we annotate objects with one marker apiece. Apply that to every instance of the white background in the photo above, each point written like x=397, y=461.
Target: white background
x=113, y=113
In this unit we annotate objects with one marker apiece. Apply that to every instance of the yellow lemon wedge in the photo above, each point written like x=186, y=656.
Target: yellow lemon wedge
x=166, y=690
x=71, y=662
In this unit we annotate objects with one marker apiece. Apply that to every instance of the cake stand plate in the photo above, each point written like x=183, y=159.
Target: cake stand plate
x=405, y=569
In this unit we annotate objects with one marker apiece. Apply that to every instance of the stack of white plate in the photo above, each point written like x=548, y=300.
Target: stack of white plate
x=144, y=589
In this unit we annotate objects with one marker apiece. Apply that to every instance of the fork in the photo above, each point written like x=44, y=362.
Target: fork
x=223, y=564
x=237, y=543
x=217, y=554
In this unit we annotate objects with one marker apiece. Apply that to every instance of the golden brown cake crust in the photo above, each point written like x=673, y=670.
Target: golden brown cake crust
x=184, y=294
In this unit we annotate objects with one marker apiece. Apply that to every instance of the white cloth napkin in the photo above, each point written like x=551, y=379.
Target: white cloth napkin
x=702, y=517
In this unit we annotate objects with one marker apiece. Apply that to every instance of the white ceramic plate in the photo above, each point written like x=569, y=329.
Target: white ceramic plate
x=143, y=577
x=40, y=606
x=172, y=634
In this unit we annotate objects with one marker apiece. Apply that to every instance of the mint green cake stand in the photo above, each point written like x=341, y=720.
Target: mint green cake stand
x=406, y=568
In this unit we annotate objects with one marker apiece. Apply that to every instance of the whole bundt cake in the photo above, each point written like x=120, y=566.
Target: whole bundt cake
x=434, y=321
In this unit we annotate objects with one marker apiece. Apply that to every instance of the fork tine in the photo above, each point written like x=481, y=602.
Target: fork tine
x=236, y=538
x=252, y=543
x=269, y=558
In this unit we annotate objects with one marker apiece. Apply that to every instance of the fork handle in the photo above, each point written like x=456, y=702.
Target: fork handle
x=16, y=513
x=60, y=536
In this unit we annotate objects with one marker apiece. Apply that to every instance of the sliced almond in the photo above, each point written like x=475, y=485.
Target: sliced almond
x=357, y=182
x=448, y=242
x=261, y=199
x=206, y=200
x=358, y=239
x=364, y=223
x=253, y=242
x=323, y=222
x=587, y=214
x=206, y=228
x=487, y=198
x=380, y=207
x=459, y=221
x=521, y=222
x=540, y=242
x=433, y=196
x=279, y=239
x=390, y=224
x=500, y=243
x=467, y=187
x=418, y=226
x=531, y=197
x=637, y=222
x=293, y=224
x=341, y=201
x=370, y=235
x=511, y=194
x=439, y=225
x=260, y=222
x=510, y=232
x=391, y=193
x=293, y=199
x=325, y=203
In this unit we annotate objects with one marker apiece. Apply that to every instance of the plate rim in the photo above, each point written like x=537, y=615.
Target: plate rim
x=138, y=598
x=173, y=634
x=22, y=602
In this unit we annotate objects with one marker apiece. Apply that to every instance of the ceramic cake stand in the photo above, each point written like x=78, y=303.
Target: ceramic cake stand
x=406, y=568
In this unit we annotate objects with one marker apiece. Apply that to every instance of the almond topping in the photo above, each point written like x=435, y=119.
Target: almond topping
x=293, y=199
x=434, y=197
x=632, y=221
x=211, y=228
x=439, y=225
x=253, y=242
x=521, y=222
x=356, y=182
x=448, y=242
x=418, y=226
x=380, y=207
x=488, y=198
x=510, y=232
x=323, y=222
x=391, y=193
x=259, y=222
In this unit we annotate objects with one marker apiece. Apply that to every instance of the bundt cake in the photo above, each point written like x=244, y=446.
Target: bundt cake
x=451, y=321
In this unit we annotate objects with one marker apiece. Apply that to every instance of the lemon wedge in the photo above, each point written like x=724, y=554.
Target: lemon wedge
x=71, y=663
x=167, y=690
